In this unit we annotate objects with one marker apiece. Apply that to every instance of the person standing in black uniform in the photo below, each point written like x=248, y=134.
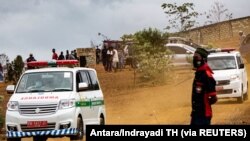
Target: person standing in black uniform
x=104, y=57
x=204, y=89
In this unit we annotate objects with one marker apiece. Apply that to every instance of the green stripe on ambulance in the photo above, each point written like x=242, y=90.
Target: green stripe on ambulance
x=89, y=103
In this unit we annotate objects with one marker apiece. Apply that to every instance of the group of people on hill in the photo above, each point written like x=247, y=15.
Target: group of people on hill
x=112, y=58
x=55, y=56
x=68, y=56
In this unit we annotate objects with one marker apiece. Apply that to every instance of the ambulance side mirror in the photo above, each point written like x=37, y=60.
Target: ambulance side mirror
x=10, y=89
x=242, y=66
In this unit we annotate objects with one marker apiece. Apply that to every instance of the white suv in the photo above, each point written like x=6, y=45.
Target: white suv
x=54, y=102
x=230, y=75
x=182, y=54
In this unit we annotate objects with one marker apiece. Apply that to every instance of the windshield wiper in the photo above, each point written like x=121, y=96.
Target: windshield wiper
x=230, y=68
x=61, y=89
x=36, y=91
x=219, y=69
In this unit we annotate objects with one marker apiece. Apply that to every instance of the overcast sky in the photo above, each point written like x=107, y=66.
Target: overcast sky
x=37, y=26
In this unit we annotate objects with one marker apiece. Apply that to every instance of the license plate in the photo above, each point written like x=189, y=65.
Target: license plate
x=219, y=88
x=32, y=124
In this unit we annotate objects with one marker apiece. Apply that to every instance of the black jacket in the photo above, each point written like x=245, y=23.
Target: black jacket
x=203, y=92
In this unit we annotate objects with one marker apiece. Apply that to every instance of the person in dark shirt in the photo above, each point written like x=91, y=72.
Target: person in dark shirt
x=204, y=89
x=104, y=57
x=61, y=56
x=75, y=55
x=67, y=55
x=31, y=58
x=98, y=55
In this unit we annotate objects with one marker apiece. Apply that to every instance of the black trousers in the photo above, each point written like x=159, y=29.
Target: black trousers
x=200, y=120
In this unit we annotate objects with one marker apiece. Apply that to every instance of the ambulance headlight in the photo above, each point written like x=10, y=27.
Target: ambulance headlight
x=234, y=77
x=12, y=106
x=67, y=103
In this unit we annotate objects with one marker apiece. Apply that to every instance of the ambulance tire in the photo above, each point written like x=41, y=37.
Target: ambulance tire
x=79, y=135
x=102, y=120
x=241, y=98
x=246, y=94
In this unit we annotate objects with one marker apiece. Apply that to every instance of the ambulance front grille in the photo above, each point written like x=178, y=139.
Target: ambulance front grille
x=37, y=109
x=223, y=82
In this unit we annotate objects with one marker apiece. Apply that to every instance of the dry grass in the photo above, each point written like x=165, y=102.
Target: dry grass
x=126, y=80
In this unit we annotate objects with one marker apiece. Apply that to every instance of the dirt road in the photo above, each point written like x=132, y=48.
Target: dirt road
x=168, y=104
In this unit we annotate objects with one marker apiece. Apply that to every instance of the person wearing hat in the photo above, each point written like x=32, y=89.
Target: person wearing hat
x=203, y=90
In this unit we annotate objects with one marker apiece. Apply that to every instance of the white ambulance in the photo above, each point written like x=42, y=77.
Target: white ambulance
x=55, y=101
x=230, y=74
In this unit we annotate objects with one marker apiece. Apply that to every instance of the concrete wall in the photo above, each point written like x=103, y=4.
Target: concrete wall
x=219, y=32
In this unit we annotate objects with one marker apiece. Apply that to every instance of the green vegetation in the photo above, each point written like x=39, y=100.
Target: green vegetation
x=15, y=69
x=181, y=17
x=150, y=55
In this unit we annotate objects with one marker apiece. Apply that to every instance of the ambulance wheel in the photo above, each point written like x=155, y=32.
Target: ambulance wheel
x=241, y=98
x=102, y=120
x=79, y=135
x=13, y=139
x=246, y=94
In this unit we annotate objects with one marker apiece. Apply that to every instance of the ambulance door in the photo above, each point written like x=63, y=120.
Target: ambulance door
x=86, y=95
x=98, y=101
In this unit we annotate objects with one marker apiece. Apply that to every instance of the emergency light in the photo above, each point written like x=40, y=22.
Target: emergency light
x=221, y=50
x=52, y=63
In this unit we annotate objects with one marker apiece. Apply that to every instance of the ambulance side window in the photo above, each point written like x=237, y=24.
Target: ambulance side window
x=239, y=61
x=78, y=80
x=94, y=81
x=85, y=78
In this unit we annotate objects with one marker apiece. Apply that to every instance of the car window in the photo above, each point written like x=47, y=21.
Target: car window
x=94, y=80
x=85, y=78
x=238, y=60
x=222, y=62
x=177, y=50
x=45, y=82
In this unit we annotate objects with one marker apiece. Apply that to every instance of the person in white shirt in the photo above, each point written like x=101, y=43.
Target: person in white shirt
x=115, y=59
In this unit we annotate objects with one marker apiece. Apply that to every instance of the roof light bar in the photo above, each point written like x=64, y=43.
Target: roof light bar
x=52, y=63
x=222, y=50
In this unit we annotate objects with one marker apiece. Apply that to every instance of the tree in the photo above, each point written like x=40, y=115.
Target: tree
x=18, y=67
x=3, y=59
x=180, y=17
x=150, y=54
x=218, y=13
x=127, y=38
x=10, y=72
